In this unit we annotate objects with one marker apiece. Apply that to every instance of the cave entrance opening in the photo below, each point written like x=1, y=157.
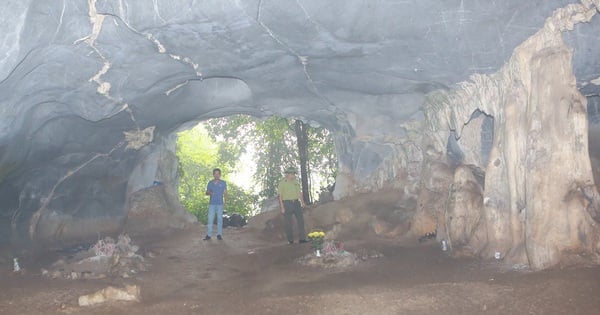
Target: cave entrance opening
x=253, y=154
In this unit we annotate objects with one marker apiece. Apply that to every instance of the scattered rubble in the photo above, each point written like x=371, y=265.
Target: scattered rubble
x=366, y=254
x=342, y=261
x=105, y=258
x=333, y=256
x=109, y=294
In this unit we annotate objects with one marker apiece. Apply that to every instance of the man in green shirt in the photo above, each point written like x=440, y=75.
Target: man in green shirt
x=291, y=203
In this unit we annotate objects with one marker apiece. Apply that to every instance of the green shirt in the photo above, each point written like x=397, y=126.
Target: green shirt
x=289, y=190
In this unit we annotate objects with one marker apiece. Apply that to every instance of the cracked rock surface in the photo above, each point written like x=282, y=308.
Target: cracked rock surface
x=94, y=90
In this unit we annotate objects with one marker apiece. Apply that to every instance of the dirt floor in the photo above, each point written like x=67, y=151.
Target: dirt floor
x=245, y=274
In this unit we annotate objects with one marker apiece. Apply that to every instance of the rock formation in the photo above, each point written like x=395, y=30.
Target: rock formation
x=478, y=110
x=539, y=197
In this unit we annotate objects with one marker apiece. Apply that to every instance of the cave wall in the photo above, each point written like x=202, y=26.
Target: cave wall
x=594, y=135
x=537, y=203
x=95, y=90
x=386, y=157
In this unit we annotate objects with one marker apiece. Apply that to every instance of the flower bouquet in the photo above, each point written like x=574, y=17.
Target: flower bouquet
x=316, y=239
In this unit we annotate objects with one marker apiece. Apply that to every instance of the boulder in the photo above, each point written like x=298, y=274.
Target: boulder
x=156, y=209
x=111, y=294
x=343, y=215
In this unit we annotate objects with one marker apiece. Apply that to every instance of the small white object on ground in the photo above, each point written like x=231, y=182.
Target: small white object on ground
x=129, y=293
x=16, y=267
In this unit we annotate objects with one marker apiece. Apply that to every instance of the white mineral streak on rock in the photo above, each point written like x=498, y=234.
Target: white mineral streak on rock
x=9, y=42
x=35, y=218
x=159, y=45
x=122, y=10
x=104, y=87
x=136, y=139
x=175, y=88
x=97, y=20
x=163, y=50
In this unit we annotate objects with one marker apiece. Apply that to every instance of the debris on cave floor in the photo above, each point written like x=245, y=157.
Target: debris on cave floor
x=427, y=237
x=106, y=258
x=333, y=256
x=111, y=294
x=366, y=254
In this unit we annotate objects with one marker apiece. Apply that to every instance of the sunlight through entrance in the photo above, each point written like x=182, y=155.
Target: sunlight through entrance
x=253, y=154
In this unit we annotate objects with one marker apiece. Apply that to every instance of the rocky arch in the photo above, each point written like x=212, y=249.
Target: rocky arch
x=95, y=90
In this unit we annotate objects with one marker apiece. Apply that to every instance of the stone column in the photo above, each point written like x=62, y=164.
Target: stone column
x=539, y=193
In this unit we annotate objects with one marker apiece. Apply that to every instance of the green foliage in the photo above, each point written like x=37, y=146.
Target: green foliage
x=198, y=155
x=275, y=146
x=220, y=142
x=239, y=201
x=322, y=157
x=276, y=152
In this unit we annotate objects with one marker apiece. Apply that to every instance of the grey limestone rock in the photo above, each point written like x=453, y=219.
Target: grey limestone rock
x=93, y=91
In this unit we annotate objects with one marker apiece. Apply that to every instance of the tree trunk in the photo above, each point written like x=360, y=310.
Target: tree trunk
x=302, y=140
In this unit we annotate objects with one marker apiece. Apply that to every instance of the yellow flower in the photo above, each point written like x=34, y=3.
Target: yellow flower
x=316, y=234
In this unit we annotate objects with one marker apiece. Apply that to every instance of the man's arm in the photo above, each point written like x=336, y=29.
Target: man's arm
x=280, y=199
x=224, y=198
x=301, y=197
x=281, y=204
x=208, y=191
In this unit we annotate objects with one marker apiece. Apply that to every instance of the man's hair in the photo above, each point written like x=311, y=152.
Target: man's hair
x=217, y=170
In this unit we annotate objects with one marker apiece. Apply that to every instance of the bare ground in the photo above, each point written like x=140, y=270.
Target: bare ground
x=245, y=274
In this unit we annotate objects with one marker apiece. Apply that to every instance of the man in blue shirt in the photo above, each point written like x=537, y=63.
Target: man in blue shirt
x=217, y=190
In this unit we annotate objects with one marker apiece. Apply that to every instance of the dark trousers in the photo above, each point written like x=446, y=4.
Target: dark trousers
x=293, y=208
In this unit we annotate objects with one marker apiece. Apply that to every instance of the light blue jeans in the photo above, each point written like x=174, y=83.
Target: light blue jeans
x=212, y=211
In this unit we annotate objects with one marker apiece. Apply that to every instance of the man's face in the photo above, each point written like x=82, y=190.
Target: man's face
x=217, y=174
x=290, y=175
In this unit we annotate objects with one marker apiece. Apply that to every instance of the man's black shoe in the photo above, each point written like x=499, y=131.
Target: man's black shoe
x=290, y=242
x=303, y=241
x=219, y=237
x=206, y=238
